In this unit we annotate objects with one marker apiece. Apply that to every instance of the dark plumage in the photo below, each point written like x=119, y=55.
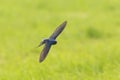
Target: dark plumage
x=51, y=41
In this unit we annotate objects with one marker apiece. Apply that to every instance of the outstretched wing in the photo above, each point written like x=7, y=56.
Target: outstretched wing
x=58, y=30
x=44, y=52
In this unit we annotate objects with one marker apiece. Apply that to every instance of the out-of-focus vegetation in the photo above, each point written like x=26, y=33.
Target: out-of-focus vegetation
x=88, y=48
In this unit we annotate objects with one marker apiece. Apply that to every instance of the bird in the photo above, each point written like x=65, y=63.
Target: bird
x=50, y=41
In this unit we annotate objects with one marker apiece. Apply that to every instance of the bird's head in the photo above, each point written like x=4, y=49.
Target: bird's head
x=42, y=42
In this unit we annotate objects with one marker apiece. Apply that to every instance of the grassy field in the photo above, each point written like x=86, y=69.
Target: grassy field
x=88, y=48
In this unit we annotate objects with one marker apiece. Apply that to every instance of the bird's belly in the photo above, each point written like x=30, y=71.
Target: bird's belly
x=53, y=42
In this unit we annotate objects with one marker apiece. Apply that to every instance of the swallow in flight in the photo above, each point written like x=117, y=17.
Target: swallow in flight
x=50, y=41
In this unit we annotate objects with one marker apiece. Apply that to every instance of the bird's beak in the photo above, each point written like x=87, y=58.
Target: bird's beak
x=41, y=43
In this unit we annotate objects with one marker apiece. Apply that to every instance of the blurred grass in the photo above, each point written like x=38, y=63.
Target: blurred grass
x=88, y=49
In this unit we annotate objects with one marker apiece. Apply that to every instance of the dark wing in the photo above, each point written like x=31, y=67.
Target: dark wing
x=44, y=52
x=58, y=30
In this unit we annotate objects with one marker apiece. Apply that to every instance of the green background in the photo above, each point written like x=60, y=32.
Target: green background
x=88, y=48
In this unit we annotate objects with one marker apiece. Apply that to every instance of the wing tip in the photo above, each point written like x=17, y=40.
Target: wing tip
x=65, y=22
x=41, y=60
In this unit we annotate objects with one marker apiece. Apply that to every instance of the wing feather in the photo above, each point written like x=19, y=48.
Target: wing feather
x=58, y=30
x=44, y=52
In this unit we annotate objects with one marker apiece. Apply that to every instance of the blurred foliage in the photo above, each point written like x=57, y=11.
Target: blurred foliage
x=88, y=48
